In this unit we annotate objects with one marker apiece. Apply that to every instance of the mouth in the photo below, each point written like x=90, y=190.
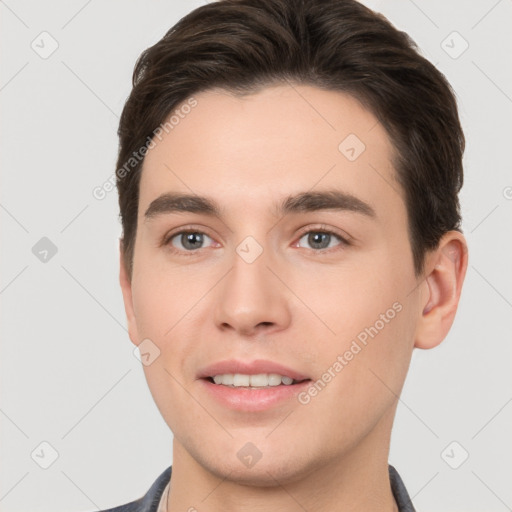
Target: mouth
x=251, y=386
x=257, y=381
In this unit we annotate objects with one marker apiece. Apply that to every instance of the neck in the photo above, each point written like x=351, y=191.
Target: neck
x=356, y=481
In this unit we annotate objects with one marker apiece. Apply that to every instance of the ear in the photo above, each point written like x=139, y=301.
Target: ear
x=126, y=288
x=446, y=268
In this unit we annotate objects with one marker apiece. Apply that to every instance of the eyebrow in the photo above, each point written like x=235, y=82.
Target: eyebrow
x=172, y=202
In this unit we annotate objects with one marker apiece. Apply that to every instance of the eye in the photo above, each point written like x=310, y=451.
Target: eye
x=188, y=240
x=320, y=239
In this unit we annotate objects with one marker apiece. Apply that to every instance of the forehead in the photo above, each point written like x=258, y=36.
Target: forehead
x=250, y=151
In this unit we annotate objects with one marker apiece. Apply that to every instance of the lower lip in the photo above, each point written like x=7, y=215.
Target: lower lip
x=259, y=399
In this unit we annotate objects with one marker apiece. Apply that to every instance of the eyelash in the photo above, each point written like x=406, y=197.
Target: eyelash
x=344, y=241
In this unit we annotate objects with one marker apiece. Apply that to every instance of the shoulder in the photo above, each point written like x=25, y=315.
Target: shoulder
x=149, y=502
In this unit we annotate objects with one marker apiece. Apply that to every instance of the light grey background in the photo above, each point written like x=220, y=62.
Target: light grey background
x=68, y=373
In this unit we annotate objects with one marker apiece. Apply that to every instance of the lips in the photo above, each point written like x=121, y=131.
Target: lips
x=257, y=367
x=240, y=385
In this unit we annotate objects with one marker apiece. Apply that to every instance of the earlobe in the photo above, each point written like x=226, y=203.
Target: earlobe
x=443, y=285
x=126, y=288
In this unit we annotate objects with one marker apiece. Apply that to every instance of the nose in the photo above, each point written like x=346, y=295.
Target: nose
x=252, y=299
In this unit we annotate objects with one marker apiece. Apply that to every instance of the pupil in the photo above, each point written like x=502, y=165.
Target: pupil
x=317, y=238
x=190, y=239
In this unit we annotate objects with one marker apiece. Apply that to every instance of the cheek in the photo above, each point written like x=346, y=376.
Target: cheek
x=368, y=375
x=170, y=398
x=169, y=312
x=353, y=298
x=162, y=295
x=151, y=306
x=372, y=321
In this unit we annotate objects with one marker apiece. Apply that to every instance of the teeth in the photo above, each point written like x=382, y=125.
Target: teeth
x=259, y=380
x=227, y=380
x=274, y=379
x=262, y=380
x=240, y=380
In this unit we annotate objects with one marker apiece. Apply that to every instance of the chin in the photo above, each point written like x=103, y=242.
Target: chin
x=276, y=467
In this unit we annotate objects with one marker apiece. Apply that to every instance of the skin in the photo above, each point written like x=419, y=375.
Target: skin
x=296, y=304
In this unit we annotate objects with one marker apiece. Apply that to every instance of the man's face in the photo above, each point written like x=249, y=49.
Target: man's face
x=259, y=290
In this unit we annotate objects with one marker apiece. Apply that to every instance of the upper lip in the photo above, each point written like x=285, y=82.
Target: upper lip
x=255, y=367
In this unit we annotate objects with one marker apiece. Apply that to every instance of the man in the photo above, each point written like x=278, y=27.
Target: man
x=288, y=177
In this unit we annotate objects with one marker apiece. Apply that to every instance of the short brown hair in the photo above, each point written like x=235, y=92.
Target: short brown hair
x=337, y=45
